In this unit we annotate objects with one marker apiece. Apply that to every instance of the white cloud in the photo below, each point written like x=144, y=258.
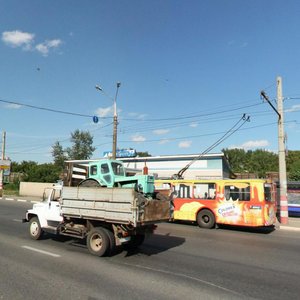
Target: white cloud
x=45, y=47
x=185, y=144
x=164, y=141
x=13, y=106
x=138, y=138
x=161, y=131
x=137, y=115
x=194, y=125
x=294, y=108
x=25, y=40
x=104, y=111
x=18, y=39
x=252, y=145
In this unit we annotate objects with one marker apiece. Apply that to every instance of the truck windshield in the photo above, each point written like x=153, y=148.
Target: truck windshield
x=118, y=169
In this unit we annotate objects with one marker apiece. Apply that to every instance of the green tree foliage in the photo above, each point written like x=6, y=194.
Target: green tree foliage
x=43, y=173
x=293, y=165
x=259, y=161
x=143, y=154
x=82, y=148
x=237, y=159
x=294, y=174
x=58, y=154
x=32, y=171
x=82, y=145
x=23, y=166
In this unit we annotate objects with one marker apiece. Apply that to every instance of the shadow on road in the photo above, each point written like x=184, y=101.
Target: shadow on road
x=152, y=245
x=259, y=230
x=155, y=244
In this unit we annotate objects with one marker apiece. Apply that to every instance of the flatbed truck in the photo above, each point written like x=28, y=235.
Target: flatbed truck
x=105, y=217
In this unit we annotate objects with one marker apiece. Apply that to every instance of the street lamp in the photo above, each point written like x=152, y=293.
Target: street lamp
x=114, y=146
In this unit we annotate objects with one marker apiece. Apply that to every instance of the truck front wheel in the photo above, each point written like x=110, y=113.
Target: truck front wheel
x=98, y=241
x=35, y=229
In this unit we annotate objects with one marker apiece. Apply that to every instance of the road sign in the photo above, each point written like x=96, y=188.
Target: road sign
x=121, y=153
x=5, y=164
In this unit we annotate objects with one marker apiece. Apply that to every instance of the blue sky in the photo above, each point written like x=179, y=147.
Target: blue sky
x=188, y=70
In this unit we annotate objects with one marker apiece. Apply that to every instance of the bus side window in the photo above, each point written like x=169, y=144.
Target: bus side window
x=235, y=193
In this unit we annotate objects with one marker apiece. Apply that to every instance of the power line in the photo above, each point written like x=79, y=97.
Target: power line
x=49, y=109
x=227, y=134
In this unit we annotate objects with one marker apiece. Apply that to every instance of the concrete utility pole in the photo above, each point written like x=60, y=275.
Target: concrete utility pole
x=115, y=128
x=281, y=152
x=114, y=148
x=2, y=157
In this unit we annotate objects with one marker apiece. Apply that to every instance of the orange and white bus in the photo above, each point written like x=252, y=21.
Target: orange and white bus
x=243, y=202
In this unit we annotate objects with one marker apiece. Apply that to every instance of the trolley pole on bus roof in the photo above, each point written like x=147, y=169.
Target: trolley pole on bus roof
x=281, y=152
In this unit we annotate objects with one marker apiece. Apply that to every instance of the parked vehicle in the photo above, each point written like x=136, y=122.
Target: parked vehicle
x=105, y=217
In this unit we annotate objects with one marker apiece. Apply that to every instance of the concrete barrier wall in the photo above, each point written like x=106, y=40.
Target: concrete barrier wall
x=35, y=189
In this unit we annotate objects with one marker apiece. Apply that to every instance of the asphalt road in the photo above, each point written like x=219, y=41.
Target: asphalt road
x=179, y=262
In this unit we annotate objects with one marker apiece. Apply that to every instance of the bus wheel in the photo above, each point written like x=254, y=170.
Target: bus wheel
x=98, y=242
x=206, y=219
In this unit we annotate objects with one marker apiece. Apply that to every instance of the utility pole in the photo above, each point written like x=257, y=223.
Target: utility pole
x=114, y=148
x=115, y=127
x=2, y=158
x=281, y=152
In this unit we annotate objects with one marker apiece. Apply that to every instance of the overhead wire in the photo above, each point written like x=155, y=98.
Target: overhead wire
x=48, y=109
x=227, y=134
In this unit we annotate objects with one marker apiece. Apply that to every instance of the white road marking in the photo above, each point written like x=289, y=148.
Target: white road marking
x=41, y=251
x=17, y=220
x=21, y=200
x=289, y=228
x=9, y=199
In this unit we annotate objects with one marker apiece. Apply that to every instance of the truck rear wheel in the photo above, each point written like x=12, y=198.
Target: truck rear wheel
x=98, y=241
x=206, y=219
x=112, y=242
x=35, y=229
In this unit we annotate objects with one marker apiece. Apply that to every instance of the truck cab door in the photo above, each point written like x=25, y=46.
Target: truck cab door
x=52, y=212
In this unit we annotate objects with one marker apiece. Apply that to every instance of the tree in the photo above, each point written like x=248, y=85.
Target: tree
x=294, y=174
x=82, y=148
x=237, y=159
x=43, y=173
x=143, y=154
x=58, y=154
x=259, y=161
x=82, y=145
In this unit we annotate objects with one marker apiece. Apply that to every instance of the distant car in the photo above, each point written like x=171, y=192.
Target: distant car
x=294, y=204
x=294, y=210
